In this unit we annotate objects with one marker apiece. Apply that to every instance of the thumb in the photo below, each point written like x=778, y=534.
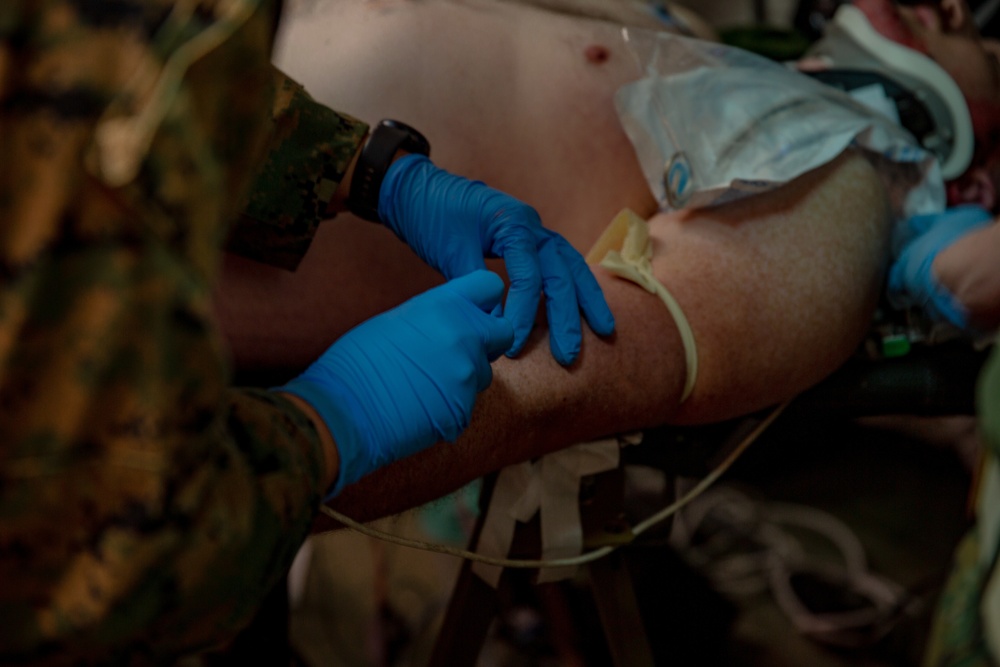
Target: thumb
x=485, y=289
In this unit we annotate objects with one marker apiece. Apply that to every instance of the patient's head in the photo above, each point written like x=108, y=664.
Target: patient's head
x=945, y=31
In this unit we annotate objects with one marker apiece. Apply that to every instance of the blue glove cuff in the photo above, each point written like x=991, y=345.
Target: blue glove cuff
x=394, y=176
x=944, y=305
x=338, y=409
x=911, y=280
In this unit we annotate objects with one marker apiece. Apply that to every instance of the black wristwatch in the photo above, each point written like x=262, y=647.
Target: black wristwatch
x=388, y=137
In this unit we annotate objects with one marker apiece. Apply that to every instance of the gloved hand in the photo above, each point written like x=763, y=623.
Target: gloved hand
x=452, y=223
x=407, y=378
x=911, y=280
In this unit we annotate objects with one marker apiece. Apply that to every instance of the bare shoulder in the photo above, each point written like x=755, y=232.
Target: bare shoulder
x=779, y=288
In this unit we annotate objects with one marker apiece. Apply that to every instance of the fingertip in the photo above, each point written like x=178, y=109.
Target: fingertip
x=490, y=280
x=589, y=294
x=501, y=336
x=520, y=309
x=464, y=265
x=482, y=287
x=520, y=340
x=602, y=322
x=565, y=332
x=563, y=354
x=485, y=379
x=511, y=339
x=515, y=349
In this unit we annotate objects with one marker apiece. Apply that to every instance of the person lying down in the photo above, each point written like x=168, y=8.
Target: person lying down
x=778, y=288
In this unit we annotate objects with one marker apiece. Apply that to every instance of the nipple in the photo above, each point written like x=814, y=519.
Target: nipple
x=597, y=54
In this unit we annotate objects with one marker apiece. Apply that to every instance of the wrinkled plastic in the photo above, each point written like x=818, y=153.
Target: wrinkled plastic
x=711, y=124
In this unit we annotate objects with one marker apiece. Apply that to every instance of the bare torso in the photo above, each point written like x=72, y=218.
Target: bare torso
x=517, y=97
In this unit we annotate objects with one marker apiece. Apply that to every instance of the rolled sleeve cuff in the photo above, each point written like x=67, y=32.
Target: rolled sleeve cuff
x=310, y=149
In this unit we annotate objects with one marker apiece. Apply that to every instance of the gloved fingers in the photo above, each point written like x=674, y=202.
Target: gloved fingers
x=948, y=226
x=436, y=213
x=408, y=378
x=499, y=337
x=484, y=289
x=561, y=307
x=912, y=281
x=523, y=269
x=456, y=256
x=484, y=372
x=588, y=292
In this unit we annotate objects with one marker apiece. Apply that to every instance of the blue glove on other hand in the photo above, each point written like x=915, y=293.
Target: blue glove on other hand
x=911, y=280
x=407, y=378
x=452, y=223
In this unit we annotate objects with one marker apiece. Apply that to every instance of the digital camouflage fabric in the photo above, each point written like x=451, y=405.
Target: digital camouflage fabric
x=310, y=148
x=145, y=507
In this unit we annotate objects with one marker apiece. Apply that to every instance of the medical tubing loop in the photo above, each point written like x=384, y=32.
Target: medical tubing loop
x=584, y=558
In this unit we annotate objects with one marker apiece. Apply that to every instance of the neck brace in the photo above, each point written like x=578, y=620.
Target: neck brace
x=850, y=42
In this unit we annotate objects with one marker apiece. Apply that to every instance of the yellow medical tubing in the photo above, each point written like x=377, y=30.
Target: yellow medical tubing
x=624, y=249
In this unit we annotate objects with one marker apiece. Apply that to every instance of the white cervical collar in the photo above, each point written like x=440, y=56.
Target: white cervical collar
x=850, y=41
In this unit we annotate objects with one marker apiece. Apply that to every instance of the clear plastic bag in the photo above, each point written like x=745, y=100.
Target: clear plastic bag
x=712, y=123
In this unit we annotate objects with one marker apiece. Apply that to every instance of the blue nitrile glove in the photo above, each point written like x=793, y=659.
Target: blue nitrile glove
x=407, y=378
x=452, y=223
x=911, y=280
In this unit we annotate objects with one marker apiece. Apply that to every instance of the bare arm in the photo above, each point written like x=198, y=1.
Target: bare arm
x=779, y=291
x=534, y=406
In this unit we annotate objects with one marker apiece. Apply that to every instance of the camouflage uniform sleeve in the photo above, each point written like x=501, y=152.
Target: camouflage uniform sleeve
x=146, y=508
x=310, y=148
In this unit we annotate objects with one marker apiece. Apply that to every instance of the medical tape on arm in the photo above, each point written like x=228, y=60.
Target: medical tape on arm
x=624, y=250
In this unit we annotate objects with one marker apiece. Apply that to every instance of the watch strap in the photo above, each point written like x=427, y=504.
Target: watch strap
x=388, y=137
